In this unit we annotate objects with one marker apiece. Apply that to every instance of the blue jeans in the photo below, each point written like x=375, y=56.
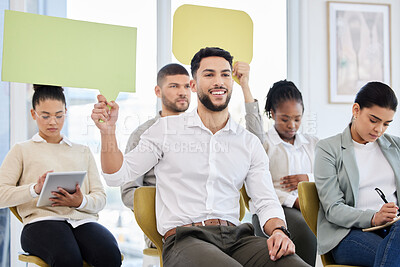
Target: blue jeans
x=378, y=248
x=59, y=244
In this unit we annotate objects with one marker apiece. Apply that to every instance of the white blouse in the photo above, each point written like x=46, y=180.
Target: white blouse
x=374, y=171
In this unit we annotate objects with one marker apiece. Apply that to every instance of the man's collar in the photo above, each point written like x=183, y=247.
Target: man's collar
x=231, y=125
x=38, y=139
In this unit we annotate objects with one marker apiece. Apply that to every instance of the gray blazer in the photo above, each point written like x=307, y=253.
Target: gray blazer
x=337, y=181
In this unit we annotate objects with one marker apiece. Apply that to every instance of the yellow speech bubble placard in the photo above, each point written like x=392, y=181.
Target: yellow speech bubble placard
x=196, y=27
x=58, y=51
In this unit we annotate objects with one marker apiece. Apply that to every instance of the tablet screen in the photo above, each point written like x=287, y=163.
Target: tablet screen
x=66, y=180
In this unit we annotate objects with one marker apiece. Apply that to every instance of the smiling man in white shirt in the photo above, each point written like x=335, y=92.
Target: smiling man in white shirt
x=201, y=160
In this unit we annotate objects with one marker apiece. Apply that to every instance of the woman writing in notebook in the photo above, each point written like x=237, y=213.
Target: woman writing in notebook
x=348, y=168
x=65, y=233
x=290, y=153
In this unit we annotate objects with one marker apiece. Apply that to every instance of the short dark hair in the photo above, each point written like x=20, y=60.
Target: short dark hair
x=376, y=93
x=169, y=70
x=282, y=91
x=208, y=52
x=44, y=92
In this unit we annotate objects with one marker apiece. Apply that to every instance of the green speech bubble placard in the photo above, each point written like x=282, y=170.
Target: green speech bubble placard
x=58, y=51
x=195, y=27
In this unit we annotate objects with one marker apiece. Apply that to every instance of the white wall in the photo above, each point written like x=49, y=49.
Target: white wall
x=308, y=62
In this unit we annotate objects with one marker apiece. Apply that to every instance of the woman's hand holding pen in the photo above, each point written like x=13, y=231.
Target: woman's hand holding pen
x=386, y=214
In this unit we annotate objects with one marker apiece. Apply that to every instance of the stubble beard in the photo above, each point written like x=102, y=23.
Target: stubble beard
x=172, y=106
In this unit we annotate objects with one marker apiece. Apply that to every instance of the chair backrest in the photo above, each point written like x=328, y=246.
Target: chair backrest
x=242, y=207
x=15, y=212
x=145, y=213
x=245, y=197
x=309, y=206
x=144, y=206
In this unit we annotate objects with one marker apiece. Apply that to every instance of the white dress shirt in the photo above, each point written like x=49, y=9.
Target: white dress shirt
x=298, y=159
x=199, y=174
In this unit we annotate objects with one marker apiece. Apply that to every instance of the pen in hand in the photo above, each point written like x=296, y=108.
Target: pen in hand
x=382, y=195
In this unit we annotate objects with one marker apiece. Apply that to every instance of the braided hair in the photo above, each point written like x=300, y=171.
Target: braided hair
x=280, y=92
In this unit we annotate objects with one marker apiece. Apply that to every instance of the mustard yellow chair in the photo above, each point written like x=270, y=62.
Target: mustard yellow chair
x=309, y=206
x=245, y=197
x=145, y=214
x=34, y=259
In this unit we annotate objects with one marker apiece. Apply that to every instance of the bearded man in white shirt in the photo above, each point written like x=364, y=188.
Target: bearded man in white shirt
x=201, y=160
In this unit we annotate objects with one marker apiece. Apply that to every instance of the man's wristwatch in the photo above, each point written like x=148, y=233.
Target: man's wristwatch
x=283, y=229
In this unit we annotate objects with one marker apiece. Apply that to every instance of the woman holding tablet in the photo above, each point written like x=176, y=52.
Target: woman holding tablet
x=348, y=168
x=65, y=233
